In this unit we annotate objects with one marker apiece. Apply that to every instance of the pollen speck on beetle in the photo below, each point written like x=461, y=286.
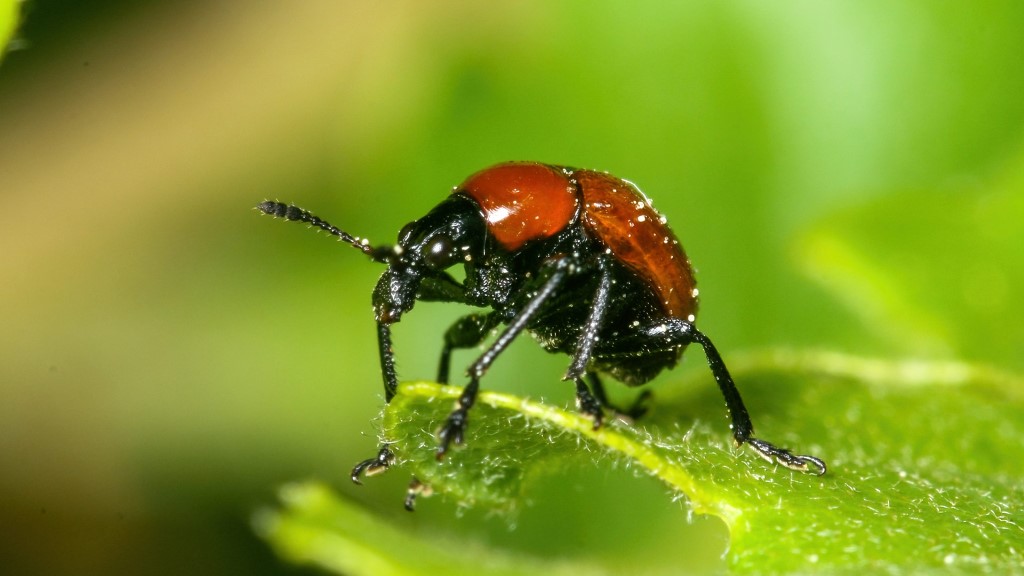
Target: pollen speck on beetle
x=641, y=218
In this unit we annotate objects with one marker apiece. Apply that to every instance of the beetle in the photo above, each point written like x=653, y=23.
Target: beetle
x=578, y=258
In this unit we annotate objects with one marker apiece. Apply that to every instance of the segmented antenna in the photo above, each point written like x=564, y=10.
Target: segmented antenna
x=296, y=214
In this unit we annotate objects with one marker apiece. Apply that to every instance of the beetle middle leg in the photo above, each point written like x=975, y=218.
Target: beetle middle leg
x=588, y=336
x=454, y=427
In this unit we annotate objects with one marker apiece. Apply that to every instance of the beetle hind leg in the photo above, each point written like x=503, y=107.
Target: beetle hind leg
x=742, y=427
x=588, y=404
x=672, y=333
x=633, y=411
x=800, y=462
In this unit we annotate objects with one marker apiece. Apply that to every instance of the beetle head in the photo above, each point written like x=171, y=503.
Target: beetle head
x=450, y=234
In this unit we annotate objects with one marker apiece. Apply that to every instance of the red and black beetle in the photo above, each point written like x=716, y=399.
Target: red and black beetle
x=578, y=258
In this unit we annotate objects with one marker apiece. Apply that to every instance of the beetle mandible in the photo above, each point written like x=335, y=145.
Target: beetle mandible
x=578, y=258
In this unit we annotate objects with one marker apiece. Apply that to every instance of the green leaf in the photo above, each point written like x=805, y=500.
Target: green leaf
x=924, y=467
x=317, y=527
x=919, y=476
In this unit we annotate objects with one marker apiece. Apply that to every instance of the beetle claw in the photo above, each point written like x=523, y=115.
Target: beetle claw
x=373, y=466
x=588, y=405
x=799, y=462
x=453, y=431
x=636, y=409
x=416, y=489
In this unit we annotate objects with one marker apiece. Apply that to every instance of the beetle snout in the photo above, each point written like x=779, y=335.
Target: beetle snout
x=395, y=294
x=386, y=314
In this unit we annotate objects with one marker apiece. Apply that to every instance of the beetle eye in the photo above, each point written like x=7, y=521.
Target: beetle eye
x=439, y=253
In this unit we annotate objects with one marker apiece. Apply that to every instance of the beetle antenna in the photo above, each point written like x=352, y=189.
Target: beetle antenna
x=294, y=213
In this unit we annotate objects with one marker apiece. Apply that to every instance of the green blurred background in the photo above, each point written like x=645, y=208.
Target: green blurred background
x=168, y=357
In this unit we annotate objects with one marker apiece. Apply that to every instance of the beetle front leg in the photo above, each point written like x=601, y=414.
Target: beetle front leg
x=454, y=428
x=372, y=466
x=387, y=360
x=384, y=458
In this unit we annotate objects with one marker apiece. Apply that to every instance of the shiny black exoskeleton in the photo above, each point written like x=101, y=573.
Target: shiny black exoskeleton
x=578, y=258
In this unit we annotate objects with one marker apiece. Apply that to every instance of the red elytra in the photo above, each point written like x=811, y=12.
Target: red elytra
x=622, y=218
x=524, y=201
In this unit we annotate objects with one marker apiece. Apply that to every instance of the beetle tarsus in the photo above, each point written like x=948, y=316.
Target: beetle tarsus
x=454, y=428
x=453, y=431
x=416, y=489
x=632, y=412
x=637, y=408
x=373, y=466
x=742, y=427
x=588, y=405
x=799, y=462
